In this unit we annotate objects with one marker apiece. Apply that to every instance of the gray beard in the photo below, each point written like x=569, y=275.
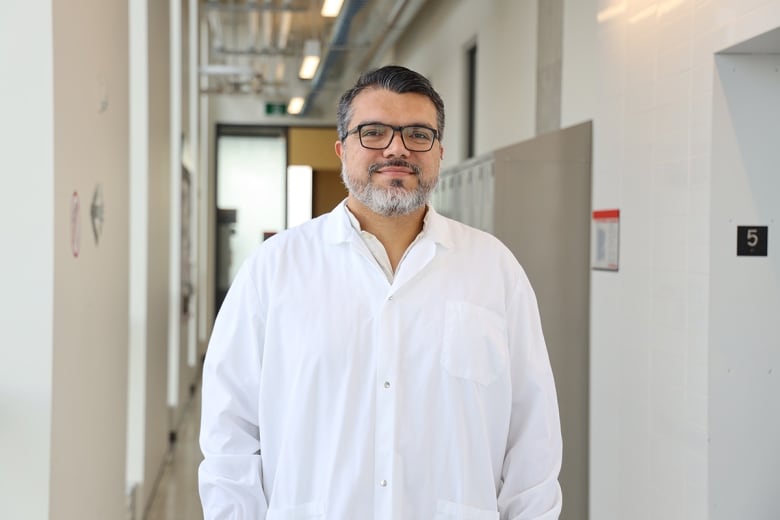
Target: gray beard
x=391, y=201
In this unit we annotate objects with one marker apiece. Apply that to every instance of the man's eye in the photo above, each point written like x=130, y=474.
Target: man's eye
x=372, y=132
x=421, y=135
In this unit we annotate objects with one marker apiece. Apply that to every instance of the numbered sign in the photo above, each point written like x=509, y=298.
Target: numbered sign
x=752, y=240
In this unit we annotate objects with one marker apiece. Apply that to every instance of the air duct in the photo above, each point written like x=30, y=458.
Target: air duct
x=400, y=16
x=335, y=47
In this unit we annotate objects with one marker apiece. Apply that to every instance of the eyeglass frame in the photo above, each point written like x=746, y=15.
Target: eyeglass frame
x=395, y=129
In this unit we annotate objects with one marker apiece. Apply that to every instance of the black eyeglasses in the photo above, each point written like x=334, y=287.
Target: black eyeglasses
x=377, y=136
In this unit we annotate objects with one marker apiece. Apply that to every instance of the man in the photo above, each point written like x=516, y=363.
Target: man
x=381, y=362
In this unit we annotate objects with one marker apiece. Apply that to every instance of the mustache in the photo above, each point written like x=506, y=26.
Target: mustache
x=394, y=162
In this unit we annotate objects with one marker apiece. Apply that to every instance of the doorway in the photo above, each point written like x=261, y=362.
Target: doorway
x=250, y=195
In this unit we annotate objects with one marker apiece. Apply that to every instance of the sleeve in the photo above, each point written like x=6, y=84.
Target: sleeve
x=230, y=475
x=530, y=488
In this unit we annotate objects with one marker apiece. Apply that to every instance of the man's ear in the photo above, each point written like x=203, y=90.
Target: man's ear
x=339, y=146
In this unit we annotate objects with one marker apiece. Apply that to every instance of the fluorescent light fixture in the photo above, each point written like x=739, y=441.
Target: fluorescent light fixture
x=311, y=59
x=268, y=28
x=284, y=29
x=331, y=8
x=295, y=105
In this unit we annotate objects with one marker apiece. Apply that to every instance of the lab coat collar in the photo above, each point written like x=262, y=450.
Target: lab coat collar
x=338, y=228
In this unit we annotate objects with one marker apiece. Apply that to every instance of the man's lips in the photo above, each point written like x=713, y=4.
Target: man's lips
x=394, y=169
x=395, y=172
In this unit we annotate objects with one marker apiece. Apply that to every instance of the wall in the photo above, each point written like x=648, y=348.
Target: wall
x=649, y=324
x=27, y=222
x=90, y=323
x=505, y=34
x=313, y=147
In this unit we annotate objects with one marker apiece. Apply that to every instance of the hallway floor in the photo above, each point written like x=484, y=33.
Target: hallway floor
x=177, y=495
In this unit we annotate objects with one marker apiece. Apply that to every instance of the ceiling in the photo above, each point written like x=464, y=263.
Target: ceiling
x=250, y=53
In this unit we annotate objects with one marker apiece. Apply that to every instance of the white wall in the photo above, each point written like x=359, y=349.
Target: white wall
x=505, y=34
x=26, y=266
x=139, y=246
x=649, y=325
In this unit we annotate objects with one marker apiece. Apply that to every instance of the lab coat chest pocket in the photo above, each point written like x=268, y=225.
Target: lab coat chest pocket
x=475, y=342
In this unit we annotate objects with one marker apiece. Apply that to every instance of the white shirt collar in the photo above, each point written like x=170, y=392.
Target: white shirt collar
x=340, y=227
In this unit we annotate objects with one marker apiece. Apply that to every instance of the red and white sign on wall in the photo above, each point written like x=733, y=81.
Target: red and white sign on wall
x=605, y=239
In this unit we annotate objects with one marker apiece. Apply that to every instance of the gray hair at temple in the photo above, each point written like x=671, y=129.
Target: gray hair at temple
x=395, y=79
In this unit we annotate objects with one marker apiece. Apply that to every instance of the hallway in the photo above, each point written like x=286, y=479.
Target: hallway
x=177, y=494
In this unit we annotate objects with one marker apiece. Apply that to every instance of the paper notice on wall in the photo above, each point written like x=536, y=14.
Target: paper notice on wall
x=605, y=238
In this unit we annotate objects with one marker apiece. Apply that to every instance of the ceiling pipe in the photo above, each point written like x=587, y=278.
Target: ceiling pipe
x=335, y=46
x=400, y=16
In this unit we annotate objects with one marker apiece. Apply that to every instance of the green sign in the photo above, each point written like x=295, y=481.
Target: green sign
x=275, y=109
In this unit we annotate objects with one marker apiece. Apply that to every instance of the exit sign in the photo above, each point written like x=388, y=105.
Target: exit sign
x=275, y=109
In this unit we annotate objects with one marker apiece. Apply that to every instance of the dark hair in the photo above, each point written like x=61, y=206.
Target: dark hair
x=395, y=79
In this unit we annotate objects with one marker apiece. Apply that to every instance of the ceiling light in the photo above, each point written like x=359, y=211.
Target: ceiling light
x=331, y=8
x=284, y=30
x=311, y=59
x=268, y=27
x=295, y=105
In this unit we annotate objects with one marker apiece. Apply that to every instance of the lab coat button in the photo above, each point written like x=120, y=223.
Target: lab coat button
x=383, y=483
x=387, y=384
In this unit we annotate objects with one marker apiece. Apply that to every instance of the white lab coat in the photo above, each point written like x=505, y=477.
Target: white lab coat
x=331, y=393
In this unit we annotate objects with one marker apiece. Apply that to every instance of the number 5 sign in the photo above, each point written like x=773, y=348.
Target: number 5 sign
x=752, y=240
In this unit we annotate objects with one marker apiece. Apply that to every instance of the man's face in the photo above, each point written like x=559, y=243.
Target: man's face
x=393, y=181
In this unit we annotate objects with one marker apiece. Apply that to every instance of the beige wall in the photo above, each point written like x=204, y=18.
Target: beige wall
x=90, y=291
x=313, y=147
